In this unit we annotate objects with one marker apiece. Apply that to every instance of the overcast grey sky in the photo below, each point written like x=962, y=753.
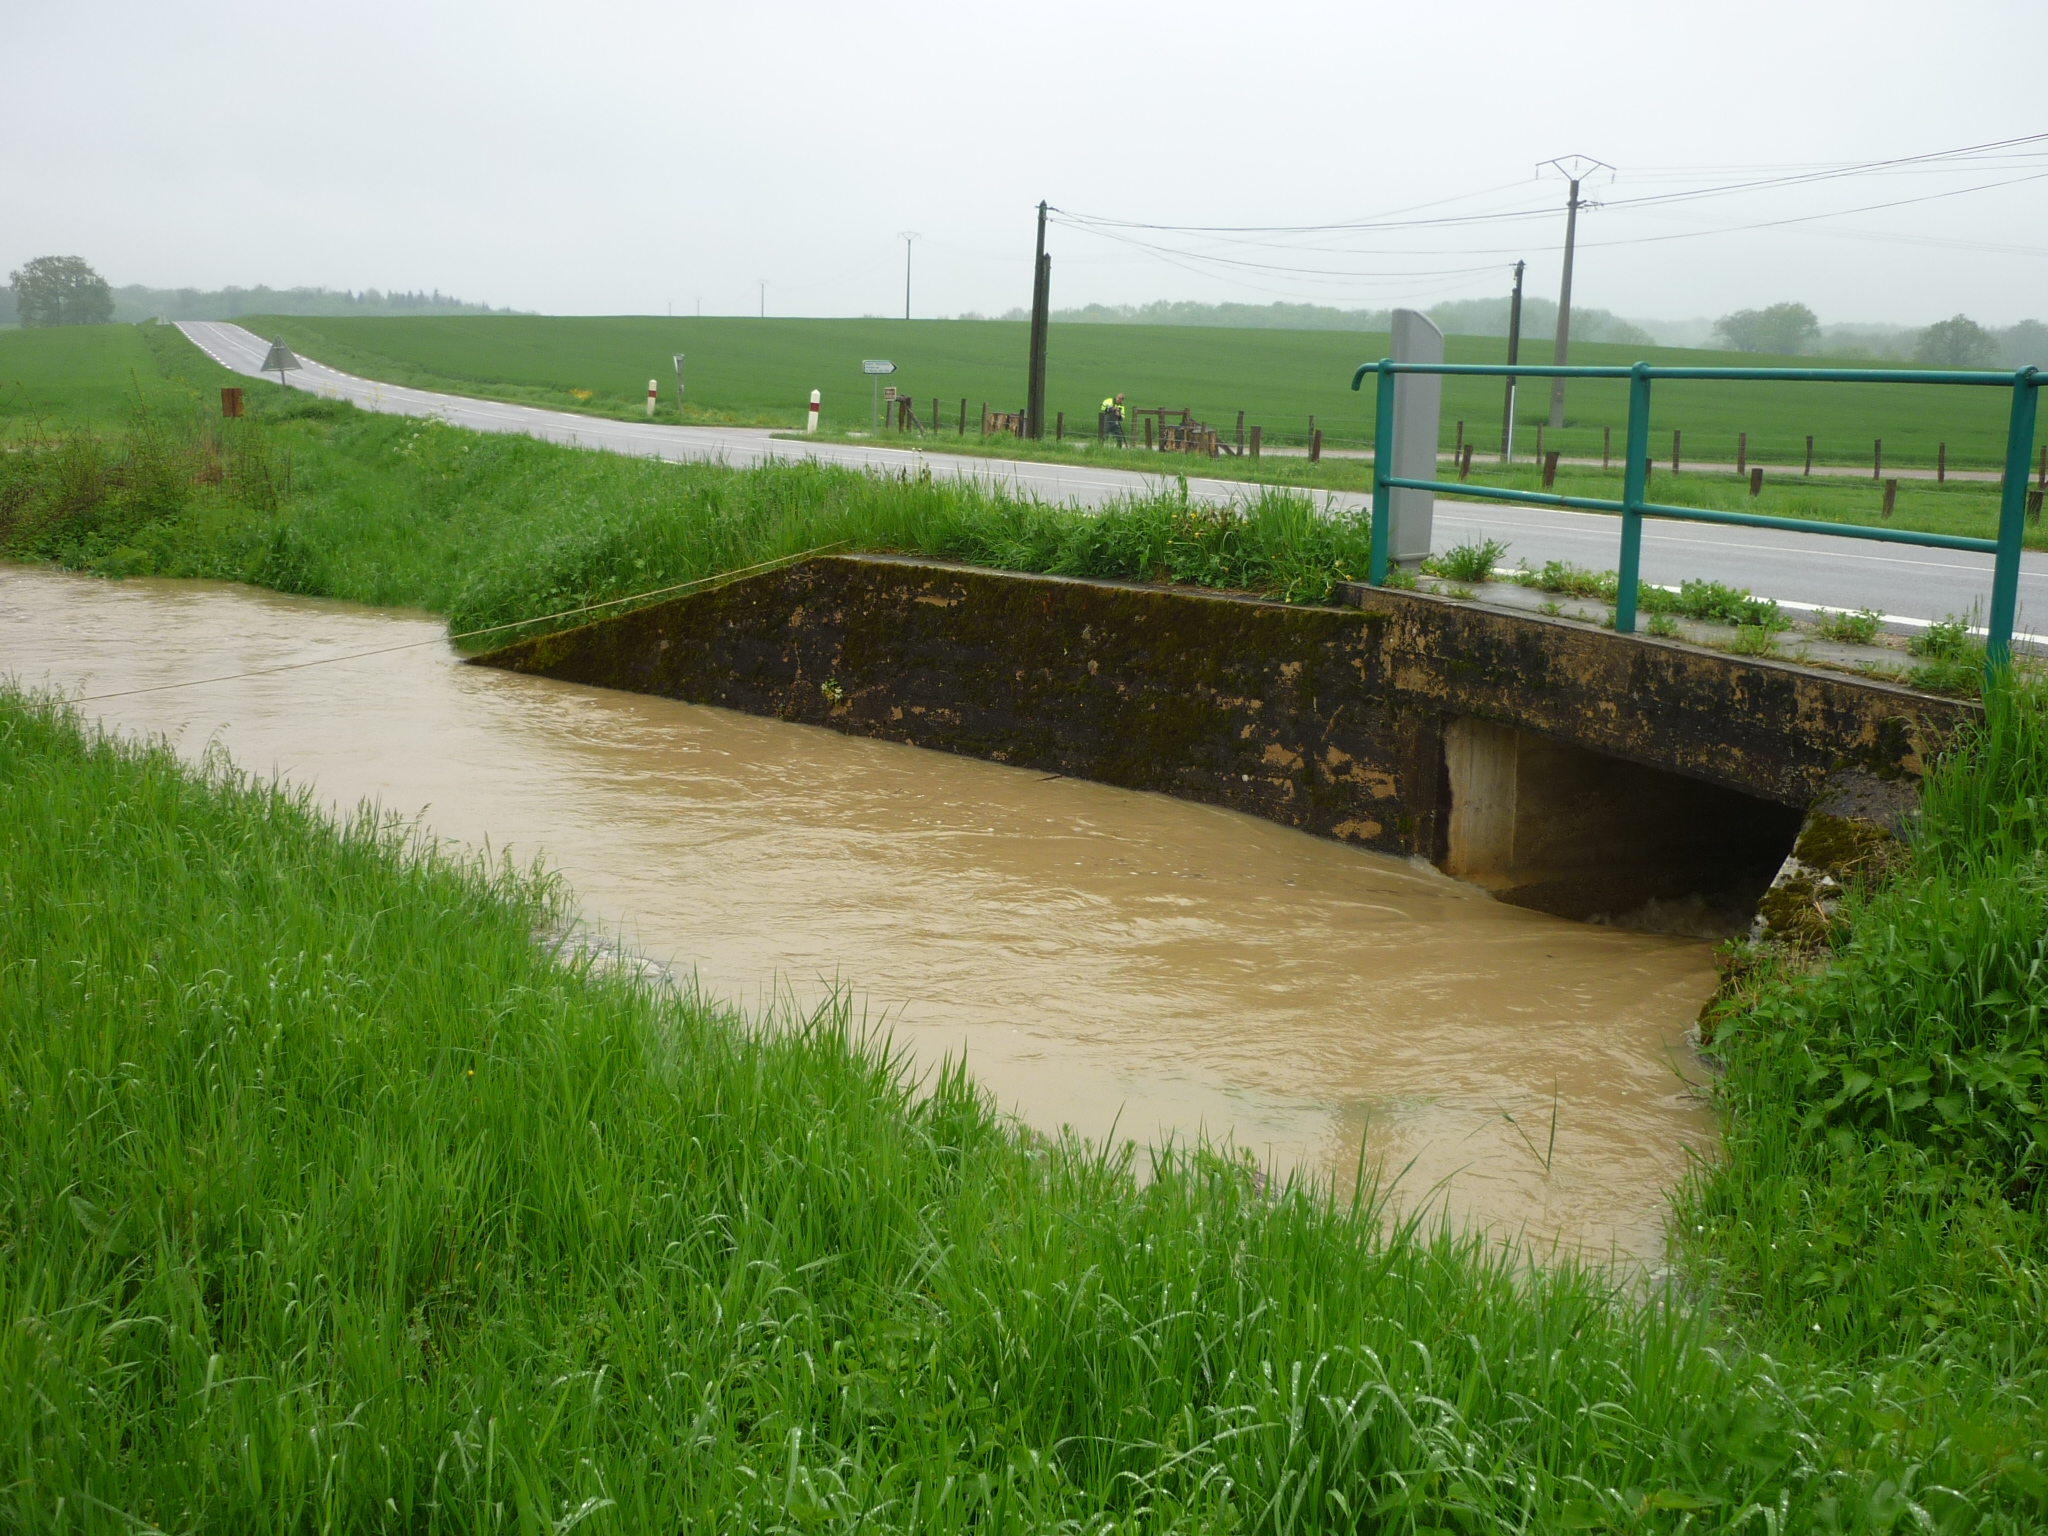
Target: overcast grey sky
x=623, y=157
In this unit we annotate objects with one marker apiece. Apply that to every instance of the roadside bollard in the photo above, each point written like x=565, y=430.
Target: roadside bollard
x=653, y=389
x=811, y=421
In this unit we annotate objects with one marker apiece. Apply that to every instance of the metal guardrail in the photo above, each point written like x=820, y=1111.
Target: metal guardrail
x=1633, y=507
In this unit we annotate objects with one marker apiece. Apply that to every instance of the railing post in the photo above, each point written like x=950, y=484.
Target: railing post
x=1382, y=466
x=1634, y=483
x=2012, y=512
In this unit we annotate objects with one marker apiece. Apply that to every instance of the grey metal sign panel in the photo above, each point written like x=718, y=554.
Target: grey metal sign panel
x=877, y=365
x=279, y=358
x=1418, y=409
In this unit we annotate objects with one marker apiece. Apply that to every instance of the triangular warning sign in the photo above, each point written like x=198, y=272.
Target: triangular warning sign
x=279, y=358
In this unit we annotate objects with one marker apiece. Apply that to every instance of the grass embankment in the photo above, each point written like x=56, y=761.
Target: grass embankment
x=311, y=496
x=334, y=1202
x=763, y=371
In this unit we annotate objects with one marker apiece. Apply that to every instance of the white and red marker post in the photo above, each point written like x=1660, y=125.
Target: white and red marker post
x=652, y=390
x=811, y=422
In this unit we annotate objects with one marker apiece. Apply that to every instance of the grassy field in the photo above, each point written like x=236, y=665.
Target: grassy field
x=313, y=496
x=92, y=378
x=764, y=370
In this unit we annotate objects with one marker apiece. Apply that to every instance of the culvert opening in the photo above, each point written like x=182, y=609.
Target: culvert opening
x=1562, y=829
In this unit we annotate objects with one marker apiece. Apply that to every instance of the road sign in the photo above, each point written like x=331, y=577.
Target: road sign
x=278, y=358
x=877, y=365
x=889, y=393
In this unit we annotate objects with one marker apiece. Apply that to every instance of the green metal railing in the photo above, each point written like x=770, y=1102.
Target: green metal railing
x=1633, y=507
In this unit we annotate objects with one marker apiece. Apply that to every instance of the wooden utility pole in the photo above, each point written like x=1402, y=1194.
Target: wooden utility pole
x=1507, y=420
x=1041, y=295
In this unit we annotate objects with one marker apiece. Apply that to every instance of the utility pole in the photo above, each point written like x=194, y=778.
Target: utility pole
x=1507, y=423
x=1575, y=169
x=908, y=236
x=1041, y=295
x=764, y=296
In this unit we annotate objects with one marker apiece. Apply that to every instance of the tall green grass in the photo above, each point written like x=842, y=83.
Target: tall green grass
x=335, y=1200
x=1884, y=1193
x=315, y=497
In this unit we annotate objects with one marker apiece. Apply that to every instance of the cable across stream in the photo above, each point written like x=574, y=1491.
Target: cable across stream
x=722, y=578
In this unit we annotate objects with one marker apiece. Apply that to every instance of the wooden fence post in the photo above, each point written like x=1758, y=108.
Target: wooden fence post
x=1539, y=442
x=1240, y=434
x=1549, y=470
x=1877, y=459
x=1458, y=448
x=1742, y=453
x=2042, y=480
x=1809, y=453
x=963, y=415
x=1891, y=495
x=1756, y=481
x=984, y=418
x=1674, y=450
x=1148, y=434
x=1606, y=446
x=1941, y=464
x=1059, y=425
x=1255, y=441
x=1465, y=463
x=2034, y=506
x=1315, y=446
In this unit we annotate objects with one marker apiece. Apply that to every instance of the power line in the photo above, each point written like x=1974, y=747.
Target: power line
x=1103, y=224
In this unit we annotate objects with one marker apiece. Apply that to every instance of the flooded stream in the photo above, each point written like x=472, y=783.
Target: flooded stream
x=1113, y=961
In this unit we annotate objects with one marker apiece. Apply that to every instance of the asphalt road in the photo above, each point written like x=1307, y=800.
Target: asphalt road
x=1912, y=587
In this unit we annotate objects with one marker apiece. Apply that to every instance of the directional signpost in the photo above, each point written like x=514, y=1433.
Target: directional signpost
x=875, y=367
x=278, y=358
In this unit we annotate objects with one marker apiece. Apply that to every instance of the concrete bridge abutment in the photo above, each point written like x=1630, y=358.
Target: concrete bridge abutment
x=1562, y=767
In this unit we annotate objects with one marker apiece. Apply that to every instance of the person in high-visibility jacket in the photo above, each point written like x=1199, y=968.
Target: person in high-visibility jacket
x=1113, y=419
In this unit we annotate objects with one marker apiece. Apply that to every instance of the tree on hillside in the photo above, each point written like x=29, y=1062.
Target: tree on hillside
x=1957, y=342
x=61, y=290
x=1785, y=329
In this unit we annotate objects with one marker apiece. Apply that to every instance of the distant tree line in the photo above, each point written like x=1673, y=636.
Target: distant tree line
x=1791, y=330
x=1463, y=317
x=1779, y=330
x=65, y=290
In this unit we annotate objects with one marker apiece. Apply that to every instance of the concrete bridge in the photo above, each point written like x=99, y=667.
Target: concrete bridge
x=1563, y=767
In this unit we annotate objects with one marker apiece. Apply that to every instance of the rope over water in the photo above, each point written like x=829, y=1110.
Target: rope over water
x=723, y=578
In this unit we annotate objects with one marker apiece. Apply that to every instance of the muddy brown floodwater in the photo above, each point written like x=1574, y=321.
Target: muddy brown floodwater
x=1117, y=962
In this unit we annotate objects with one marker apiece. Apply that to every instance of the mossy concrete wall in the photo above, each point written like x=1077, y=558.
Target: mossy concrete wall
x=1331, y=719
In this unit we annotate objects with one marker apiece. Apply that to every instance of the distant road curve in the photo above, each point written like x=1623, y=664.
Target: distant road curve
x=1913, y=587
